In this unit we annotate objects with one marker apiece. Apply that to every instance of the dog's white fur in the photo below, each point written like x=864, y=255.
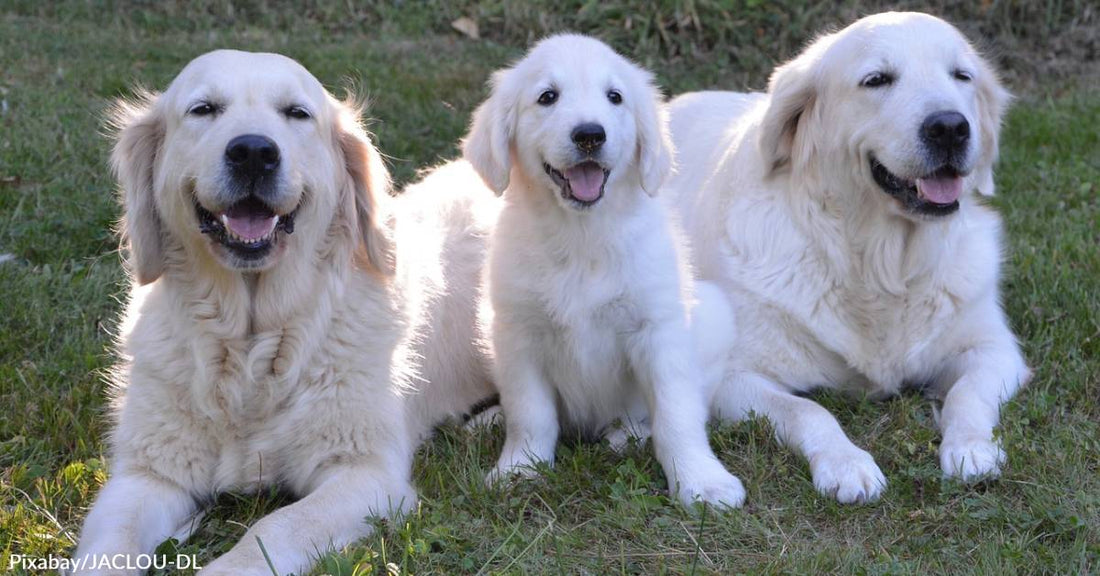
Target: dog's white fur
x=590, y=317
x=833, y=284
x=313, y=372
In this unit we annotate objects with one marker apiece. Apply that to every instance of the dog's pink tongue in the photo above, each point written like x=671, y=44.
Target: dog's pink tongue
x=250, y=224
x=585, y=180
x=940, y=190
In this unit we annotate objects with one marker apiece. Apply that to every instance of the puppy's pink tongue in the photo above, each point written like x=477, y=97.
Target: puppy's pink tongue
x=250, y=224
x=586, y=180
x=942, y=190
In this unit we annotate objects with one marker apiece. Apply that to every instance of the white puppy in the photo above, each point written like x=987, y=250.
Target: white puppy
x=266, y=339
x=837, y=213
x=588, y=280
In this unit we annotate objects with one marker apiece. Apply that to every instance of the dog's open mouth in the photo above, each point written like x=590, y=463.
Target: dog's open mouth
x=582, y=184
x=248, y=228
x=936, y=194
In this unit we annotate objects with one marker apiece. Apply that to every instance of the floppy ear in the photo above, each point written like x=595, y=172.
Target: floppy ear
x=371, y=186
x=139, y=133
x=787, y=130
x=654, y=142
x=488, y=145
x=993, y=101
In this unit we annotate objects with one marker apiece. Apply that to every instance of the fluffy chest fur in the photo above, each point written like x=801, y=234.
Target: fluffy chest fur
x=888, y=308
x=263, y=404
x=592, y=284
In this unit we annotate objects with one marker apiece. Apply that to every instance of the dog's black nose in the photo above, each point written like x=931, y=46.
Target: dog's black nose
x=589, y=137
x=945, y=131
x=252, y=155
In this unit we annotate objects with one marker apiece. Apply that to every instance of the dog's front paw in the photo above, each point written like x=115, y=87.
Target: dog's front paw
x=970, y=458
x=505, y=472
x=850, y=475
x=715, y=487
x=622, y=436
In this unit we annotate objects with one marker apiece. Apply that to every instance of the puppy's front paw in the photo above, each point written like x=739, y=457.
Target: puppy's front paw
x=715, y=487
x=503, y=473
x=850, y=475
x=621, y=436
x=970, y=458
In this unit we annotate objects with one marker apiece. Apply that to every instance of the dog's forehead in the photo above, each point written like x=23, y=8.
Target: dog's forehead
x=574, y=60
x=897, y=42
x=226, y=73
x=902, y=23
x=911, y=36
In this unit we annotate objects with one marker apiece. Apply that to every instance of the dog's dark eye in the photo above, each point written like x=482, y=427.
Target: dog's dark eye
x=962, y=75
x=877, y=79
x=548, y=97
x=297, y=113
x=615, y=97
x=202, y=109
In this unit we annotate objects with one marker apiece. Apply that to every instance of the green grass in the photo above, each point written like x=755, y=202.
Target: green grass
x=596, y=512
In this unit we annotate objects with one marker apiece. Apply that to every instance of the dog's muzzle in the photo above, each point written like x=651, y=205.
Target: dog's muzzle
x=936, y=194
x=582, y=184
x=249, y=228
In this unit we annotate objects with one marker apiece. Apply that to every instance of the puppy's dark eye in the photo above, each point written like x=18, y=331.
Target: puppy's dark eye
x=962, y=75
x=877, y=79
x=297, y=113
x=548, y=97
x=202, y=109
x=615, y=97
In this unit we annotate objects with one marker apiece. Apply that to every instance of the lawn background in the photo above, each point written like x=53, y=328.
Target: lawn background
x=62, y=63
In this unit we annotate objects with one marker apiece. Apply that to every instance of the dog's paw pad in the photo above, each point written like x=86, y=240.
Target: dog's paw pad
x=971, y=459
x=851, y=476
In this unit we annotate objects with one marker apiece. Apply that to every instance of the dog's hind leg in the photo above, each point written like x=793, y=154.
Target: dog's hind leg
x=484, y=419
x=633, y=427
x=839, y=468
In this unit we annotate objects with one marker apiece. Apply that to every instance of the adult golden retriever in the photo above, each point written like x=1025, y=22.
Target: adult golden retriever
x=838, y=213
x=268, y=338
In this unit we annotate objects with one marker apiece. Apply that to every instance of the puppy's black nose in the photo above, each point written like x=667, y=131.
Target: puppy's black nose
x=589, y=137
x=252, y=155
x=945, y=131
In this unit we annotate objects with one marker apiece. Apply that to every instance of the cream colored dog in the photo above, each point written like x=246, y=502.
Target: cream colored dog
x=588, y=277
x=268, y=339
x=837, y=213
